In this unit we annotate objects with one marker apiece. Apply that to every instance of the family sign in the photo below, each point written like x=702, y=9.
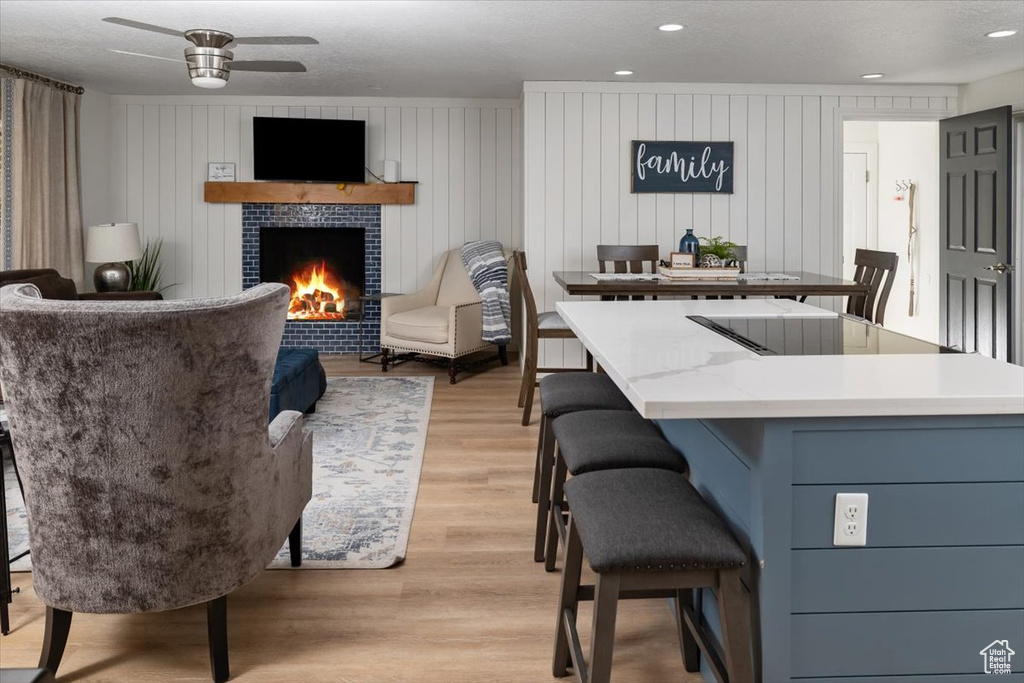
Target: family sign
x=674, y=166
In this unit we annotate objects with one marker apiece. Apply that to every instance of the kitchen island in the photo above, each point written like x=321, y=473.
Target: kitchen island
x=935, y=440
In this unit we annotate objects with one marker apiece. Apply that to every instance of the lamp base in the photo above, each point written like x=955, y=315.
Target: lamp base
x=112, y=277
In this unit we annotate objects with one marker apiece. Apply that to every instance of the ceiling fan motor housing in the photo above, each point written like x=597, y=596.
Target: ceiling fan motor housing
x=207, y=37
x=208, y=63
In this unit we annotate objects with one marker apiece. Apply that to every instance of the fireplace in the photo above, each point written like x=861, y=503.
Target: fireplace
x=352, y=256
x=323, y=267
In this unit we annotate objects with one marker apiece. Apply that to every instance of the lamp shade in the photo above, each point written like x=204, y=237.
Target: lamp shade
x=112, y=242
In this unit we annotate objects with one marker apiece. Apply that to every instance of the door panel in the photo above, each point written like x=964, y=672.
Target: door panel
x=986, y=310
x=975, y=210
x=955, y=293
x=956, y=202
x=985, y=221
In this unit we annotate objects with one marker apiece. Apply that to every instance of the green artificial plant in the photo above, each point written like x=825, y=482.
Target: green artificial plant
x=720, y=247
x=147, y=271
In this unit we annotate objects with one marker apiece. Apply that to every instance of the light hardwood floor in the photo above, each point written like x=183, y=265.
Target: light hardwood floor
x=468, y=604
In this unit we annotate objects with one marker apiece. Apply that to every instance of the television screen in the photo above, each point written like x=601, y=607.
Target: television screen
x=326, y=150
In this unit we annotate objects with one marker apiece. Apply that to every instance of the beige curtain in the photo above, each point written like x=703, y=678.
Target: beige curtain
x=46, y=202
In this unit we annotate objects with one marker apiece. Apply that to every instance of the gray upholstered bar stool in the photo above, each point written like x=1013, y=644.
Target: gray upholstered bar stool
x=648, y=534
x=598, y=440
x=561, y=394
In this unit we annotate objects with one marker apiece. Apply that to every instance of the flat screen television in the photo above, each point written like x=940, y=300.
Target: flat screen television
x=326, y=150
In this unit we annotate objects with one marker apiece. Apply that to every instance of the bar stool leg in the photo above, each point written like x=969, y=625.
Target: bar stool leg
x=687, y=643
x=557, y=500
x=568, y=601
x=547, y=462
x=542, y=440
x=602, y=638
x=735, y=620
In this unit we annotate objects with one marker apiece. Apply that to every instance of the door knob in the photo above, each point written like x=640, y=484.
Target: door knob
x=1000, y=268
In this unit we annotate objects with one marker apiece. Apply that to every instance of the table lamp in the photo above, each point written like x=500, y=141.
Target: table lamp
x=112, y=244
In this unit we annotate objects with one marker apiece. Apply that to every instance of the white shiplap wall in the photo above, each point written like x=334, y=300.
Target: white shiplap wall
x=465, y=154
x=784, y=205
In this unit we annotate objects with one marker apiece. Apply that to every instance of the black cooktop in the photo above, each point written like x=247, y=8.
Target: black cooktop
x=816, y=336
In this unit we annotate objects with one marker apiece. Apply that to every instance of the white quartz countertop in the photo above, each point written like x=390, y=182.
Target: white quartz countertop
x=672, y=367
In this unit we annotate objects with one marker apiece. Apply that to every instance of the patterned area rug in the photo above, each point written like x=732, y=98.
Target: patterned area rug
x=368, y=439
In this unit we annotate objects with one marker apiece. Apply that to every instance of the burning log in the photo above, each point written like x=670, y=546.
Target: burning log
x=316, y=295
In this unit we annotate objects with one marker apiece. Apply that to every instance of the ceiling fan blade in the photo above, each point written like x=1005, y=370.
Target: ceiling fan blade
x=268, y=66
x=276, y=40
x=145, y=27
x=139, y=54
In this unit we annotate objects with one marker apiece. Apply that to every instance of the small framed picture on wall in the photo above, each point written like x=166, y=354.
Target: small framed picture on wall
x=221, y=171
x=682, y=259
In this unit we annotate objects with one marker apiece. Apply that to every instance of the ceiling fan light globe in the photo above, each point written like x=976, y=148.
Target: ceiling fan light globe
x=210, y=82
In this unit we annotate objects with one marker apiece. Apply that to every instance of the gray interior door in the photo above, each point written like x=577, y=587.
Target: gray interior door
x=974, y=247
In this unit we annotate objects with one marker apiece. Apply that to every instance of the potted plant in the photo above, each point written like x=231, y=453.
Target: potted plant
x=720, y=247
x=147, y=271
x=717, y=252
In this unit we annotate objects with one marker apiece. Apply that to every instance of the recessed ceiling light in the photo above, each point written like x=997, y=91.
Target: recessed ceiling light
x=670, y=27
x=872, y=75
x=624, y=72
x=375, y=87
x=1001, y=34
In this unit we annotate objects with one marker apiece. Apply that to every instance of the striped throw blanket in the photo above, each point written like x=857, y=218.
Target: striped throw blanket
x=488, y=270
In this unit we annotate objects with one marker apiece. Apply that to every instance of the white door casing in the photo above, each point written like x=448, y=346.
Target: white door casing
x=860, y=201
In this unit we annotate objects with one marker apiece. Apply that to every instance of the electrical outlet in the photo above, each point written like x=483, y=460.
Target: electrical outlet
x=850, y=525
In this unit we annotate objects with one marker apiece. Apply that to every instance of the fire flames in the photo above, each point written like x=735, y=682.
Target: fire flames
x=316, y=295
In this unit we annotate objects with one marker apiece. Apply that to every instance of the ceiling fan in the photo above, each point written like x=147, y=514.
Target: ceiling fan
x=209, y=61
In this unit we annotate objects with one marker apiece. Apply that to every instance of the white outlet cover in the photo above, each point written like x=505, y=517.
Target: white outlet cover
x=850, y=522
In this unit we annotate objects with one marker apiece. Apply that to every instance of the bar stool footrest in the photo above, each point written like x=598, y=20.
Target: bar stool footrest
x=705, y=643
x=579, y=665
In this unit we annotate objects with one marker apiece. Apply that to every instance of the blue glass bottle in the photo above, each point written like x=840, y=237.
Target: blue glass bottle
x=689, y=244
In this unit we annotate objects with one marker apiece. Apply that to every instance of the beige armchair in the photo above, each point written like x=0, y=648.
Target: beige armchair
x=443, y=319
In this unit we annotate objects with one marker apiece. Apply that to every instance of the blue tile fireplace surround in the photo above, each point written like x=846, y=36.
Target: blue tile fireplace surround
x=330, y=336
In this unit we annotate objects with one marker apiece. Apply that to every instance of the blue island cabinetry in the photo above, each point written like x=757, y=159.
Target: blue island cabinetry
x=792, y=405
x=941, y=575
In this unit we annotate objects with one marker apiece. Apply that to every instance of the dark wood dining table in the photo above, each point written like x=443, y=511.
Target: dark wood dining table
x=582, y=283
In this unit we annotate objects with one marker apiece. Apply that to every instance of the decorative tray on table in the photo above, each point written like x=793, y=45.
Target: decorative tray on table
x=698, y=273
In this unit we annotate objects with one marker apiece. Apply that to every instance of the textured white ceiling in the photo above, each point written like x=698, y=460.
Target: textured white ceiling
x=487, y=49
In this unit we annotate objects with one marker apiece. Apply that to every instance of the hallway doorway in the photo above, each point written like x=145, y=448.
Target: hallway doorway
x=881, y=160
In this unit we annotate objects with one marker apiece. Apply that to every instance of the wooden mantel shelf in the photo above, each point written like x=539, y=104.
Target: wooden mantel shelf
x=309, y=193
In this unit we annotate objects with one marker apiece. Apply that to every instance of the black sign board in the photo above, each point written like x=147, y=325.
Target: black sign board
x=674, y=166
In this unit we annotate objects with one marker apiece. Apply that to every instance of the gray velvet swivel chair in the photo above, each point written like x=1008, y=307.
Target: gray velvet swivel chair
x=152, y=481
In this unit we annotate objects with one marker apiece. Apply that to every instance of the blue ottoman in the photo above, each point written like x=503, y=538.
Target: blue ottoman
x=299, y=381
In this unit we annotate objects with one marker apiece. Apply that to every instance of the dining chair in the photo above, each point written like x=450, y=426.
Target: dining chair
x=877, y=269
x=627, y=258
x=544, y=325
